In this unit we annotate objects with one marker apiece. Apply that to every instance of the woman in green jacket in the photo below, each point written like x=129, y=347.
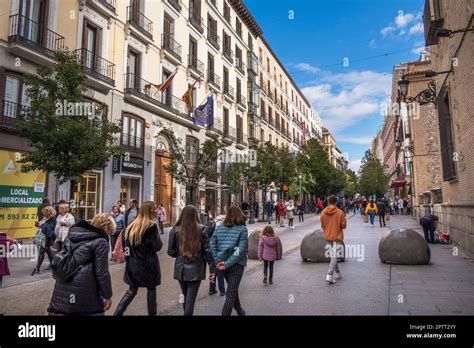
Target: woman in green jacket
x=229, y=245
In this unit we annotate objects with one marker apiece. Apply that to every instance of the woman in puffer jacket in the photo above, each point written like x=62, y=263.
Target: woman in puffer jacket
x=90, y=290
x=268, y=251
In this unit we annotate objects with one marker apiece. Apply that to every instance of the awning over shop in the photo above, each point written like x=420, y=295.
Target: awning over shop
x=398, y=182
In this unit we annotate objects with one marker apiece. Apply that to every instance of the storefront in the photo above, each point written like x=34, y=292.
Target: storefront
x=131, y=179
x=86, y=196
x=20, y=196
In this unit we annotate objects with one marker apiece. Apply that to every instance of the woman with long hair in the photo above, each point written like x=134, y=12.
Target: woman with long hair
x=46, y=226
x=141, y=241
x=229, y=245
x=188, y=243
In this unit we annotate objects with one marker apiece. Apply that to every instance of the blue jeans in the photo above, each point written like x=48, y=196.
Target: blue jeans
x=220, y=281
x=372, y=217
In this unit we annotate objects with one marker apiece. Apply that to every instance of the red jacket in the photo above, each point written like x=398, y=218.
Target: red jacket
x=281, y=209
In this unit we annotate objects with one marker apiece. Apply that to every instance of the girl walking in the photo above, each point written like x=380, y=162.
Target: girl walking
x=371, y=210
x=268, y=251
x=229, y=245
x=142, y=241
x=188, y=243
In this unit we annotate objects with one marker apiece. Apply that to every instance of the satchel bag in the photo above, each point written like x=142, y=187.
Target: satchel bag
x=40, y=239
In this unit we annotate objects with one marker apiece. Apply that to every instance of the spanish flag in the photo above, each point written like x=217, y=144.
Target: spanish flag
x=188, y=95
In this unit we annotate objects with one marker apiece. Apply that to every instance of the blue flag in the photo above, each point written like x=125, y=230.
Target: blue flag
x=204, y=114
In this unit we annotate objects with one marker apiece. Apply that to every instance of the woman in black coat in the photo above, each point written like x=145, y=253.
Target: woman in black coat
x=47, y=226
x=141, y=241
x=90, y=290
x=188, y=243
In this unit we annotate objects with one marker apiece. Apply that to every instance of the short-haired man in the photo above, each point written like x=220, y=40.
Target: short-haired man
x=429, y=223
x=131, y=212
x=333, y=222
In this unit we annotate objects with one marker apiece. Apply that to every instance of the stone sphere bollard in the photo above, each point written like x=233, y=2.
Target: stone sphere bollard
x=313, y=248
x=404, y=247
x=252, y=250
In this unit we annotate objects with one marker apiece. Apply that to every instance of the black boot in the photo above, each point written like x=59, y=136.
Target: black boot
x=124, y=302
x=35, y=271
x=240, y=312
x=151, y=302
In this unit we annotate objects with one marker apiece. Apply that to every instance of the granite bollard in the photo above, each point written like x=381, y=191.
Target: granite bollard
x=313, y=248
x=254, y=238
x=404, y=247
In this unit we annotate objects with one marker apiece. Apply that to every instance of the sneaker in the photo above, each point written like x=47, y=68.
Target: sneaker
x=212, y=292
x=330, y=279
x=222, y=293
x=337, y=275
x=292, y=227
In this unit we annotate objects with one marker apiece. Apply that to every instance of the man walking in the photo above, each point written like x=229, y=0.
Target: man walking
x=382, y=208
x=333, y=222
x=269, y=207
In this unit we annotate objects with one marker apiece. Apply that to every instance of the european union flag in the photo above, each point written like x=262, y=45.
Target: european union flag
x=204, y=114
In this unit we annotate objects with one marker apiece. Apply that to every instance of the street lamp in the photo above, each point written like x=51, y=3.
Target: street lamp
x=426, y=96
x=443, y=32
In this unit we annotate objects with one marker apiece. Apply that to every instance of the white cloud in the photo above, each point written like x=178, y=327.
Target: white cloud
x=355, y=165
x=387, y=30
x=405, y=24
x=372, y=43
x=359, y=140
x=419, y=47
x=345, y=99
x=403, y=19
x=306, y=67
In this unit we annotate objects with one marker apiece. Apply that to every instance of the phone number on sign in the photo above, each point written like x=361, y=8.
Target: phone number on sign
x=18, y=216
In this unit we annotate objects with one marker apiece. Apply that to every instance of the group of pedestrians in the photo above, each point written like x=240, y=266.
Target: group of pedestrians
x=284, y=209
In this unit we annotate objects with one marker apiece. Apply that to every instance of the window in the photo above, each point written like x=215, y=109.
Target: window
x=86, y=196
x=193, y=49
x=262, y=134
x=240, y=129
x=133, y=69
x=260, y=55
x=91, y=38
x=226, y=12
x=250, y=41
x=446, y=135
x=192, y=150
x=14, y=97
x=238, y=57
x=167, y=96
x=227, y=44
x=270, y=138
x=210, y=64
x=238, y=27
x=33, y=12
x=238, y=85
x=195, y=13
x=226, y=121
x=268, y=65
x=132, y=133
x=226, y=80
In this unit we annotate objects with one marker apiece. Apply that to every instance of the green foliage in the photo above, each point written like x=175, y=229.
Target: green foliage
x=373, y=178
x=352, y=186
x=67, y=143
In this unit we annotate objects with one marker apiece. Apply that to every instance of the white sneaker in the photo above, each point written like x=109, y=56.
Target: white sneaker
x=292, y=227
x=330, y=279
x=337, y=275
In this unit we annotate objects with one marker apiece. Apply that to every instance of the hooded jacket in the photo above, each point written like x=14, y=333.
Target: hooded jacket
x=92, y=284
x=333, y=222
x=268, y=248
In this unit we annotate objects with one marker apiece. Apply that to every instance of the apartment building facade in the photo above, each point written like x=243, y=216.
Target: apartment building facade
x=128, y=48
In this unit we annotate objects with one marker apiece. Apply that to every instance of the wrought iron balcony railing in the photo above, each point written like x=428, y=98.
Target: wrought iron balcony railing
x=214, y=39
x=34, y=35
x=195, y=64
x=140, y=21
x=214, y=79
x=229, y=90
x=169, y=44
x=96, y=66
x=229, y=132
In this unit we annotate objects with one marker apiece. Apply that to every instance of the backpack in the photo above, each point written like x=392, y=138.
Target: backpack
x=64, y=264
x=210, y=228
x=118, y=255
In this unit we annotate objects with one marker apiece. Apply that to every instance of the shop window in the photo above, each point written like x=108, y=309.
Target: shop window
x=86, y=196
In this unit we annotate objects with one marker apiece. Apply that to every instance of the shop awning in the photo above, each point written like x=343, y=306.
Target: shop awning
x=398, y=182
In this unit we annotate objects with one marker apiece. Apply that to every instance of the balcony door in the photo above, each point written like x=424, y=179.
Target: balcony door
x=133, y=69
x=192, y=52
x=33, y=19
x=168, y=32
x=166, y=96
x=90, y=45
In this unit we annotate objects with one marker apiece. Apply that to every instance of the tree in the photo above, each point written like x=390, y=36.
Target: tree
x=190, y=170
x=351, y=187
x=373, y=178
x=68, y=135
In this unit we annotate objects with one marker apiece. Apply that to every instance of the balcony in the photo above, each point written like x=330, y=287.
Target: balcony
x=147, y=95
x=214, y=40
x=132, y=144
x=175, y=4
x=214, y=80
x=10, y=111
x=229, y=134
x=240, y=65
x=140, y=22
x=270, y=95
x=105, y=7
x=263, y=114
x=229, y=91
x=241, y=100
x=216, y=128
x=242, y=140
x=432, y=20
x=196, y=21
x=97, y=67
x=171, y=46
x=34, y=41
x=252, y=63
x=229, y=55
x=195, y=64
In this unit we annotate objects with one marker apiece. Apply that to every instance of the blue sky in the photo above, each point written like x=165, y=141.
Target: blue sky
x=314, y=44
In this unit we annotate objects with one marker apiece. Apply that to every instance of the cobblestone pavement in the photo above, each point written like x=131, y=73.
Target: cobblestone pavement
x=368, y=287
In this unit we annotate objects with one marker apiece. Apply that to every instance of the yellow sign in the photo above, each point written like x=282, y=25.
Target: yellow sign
x=20, y=196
